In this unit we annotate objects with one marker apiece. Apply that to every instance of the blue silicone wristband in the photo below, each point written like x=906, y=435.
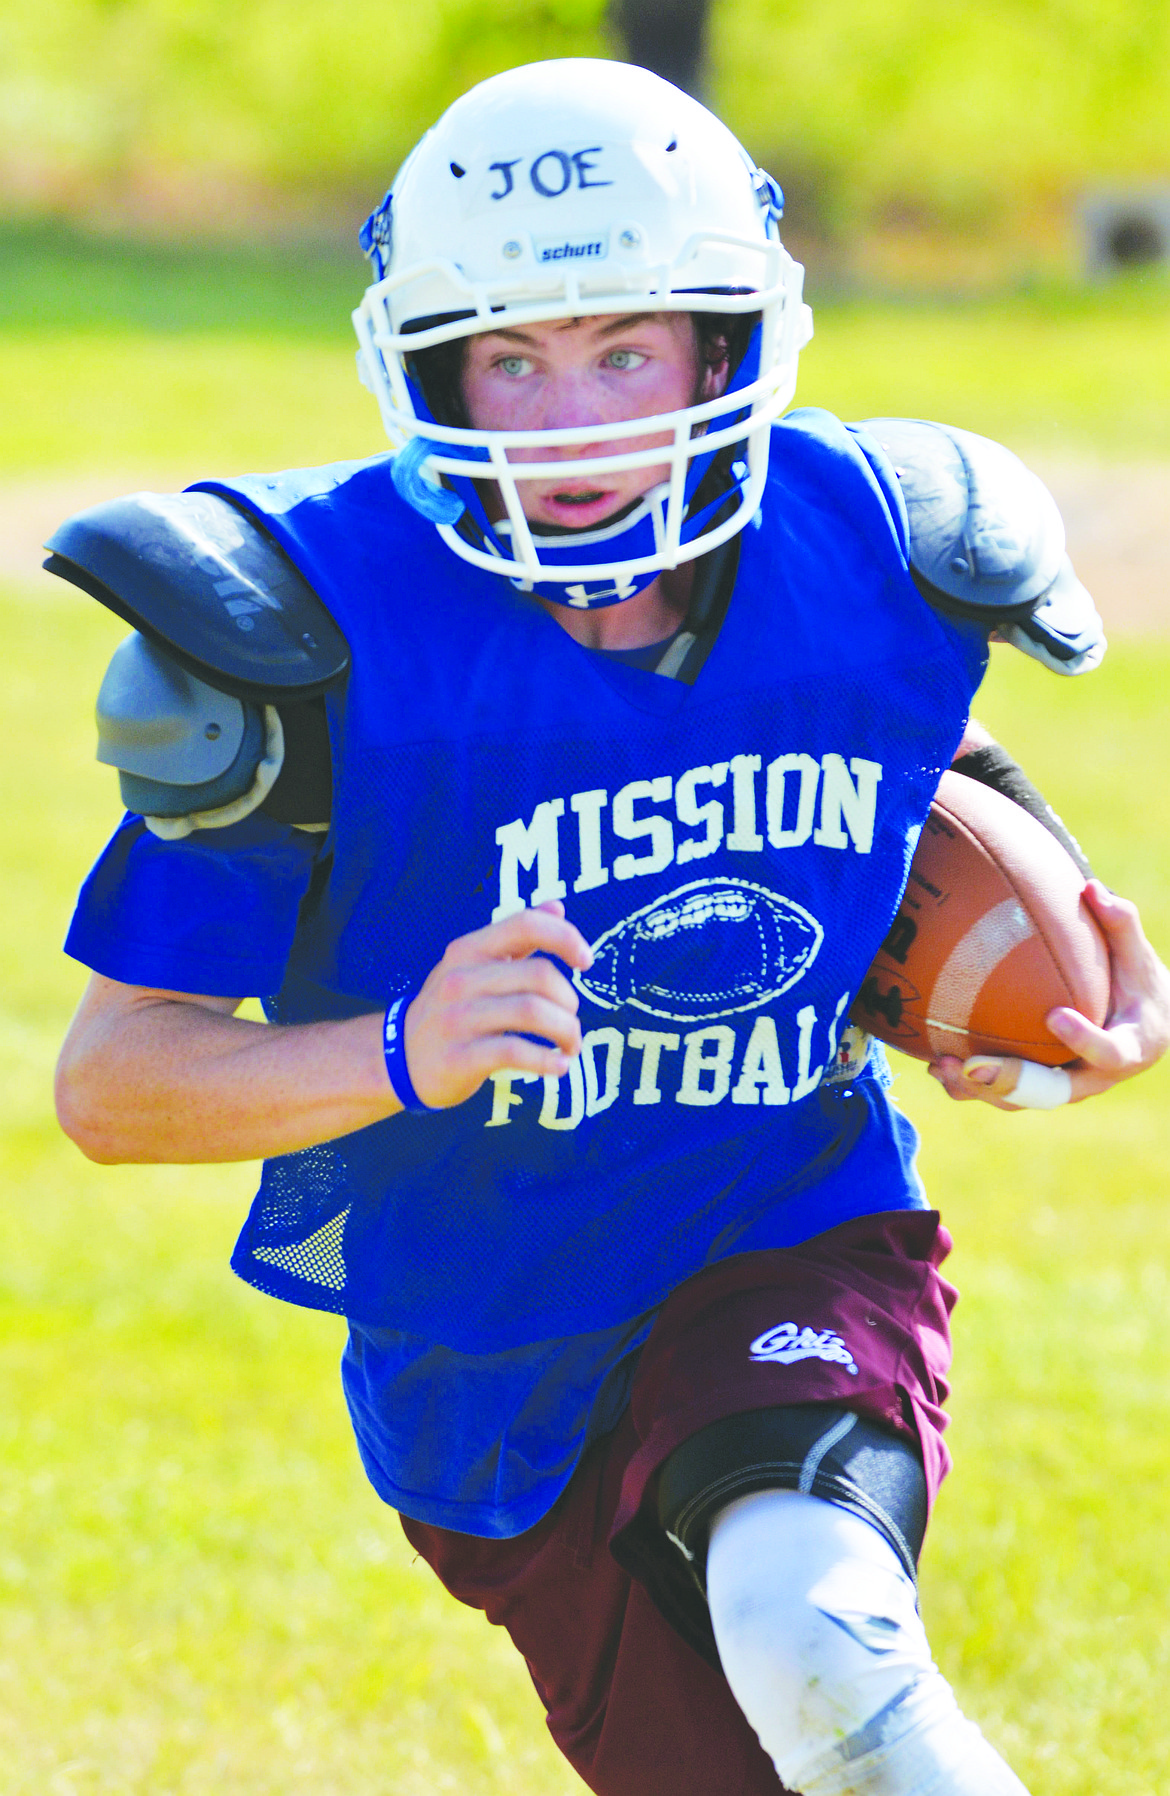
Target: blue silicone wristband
x=394, y=1048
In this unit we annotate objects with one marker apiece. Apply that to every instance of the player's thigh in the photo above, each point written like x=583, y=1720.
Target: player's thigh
x=635, y=1710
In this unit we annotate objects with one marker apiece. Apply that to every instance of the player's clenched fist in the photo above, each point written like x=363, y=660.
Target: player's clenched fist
x=491, y=990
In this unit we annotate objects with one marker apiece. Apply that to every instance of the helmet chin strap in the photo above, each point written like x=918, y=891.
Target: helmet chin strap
x=440, y=505
x=594, y=595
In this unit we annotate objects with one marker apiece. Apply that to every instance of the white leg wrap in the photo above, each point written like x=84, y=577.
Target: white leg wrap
x=821, y=1642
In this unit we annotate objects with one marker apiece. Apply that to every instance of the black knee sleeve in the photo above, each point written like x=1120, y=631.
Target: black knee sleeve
x=818, y=1448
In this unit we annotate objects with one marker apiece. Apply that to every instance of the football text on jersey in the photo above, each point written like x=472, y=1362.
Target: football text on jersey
x=696, y=1067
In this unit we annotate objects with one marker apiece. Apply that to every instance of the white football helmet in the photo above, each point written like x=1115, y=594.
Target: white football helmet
x=574, y=189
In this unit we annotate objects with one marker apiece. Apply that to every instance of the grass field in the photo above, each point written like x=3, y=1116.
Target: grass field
x=985, y=119
x=195, y=360
x=199, y=1595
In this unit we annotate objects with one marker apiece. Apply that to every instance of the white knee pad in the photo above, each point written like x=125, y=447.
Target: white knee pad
x=820, y=1639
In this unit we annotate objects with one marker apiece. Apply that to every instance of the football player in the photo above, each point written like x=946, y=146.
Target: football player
x=554, y=780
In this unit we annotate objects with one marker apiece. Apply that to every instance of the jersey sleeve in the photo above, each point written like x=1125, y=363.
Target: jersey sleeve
x=882, y=471
x=214, y=913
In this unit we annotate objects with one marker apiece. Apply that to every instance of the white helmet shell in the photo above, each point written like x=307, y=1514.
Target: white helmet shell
x=573, y=189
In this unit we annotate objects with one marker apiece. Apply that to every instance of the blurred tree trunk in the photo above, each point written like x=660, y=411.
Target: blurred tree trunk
x=668, y=36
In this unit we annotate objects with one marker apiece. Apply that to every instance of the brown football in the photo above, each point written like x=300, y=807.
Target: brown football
x=991, y=934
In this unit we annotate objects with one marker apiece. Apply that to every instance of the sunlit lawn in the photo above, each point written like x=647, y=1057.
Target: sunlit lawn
x=199, y=361
x=198, y=1592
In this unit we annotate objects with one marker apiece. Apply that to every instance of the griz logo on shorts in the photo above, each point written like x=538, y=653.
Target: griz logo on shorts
x=550, y=174
x=788, y=1343
x=698, y=1068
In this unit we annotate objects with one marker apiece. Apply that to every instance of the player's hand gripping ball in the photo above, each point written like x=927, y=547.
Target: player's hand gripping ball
x=993, y=933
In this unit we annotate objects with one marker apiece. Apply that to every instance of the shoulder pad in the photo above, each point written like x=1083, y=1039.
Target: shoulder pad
x=985, y=533
x=180, y=745
x=190, y=756
x=202, y=580
x=1063, y=631
x=987, y=542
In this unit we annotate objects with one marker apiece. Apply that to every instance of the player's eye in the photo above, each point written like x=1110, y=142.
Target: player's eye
x=514, y=365
x=624, y=360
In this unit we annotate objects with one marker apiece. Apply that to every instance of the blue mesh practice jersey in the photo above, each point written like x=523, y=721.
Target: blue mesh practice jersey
x=733, y=850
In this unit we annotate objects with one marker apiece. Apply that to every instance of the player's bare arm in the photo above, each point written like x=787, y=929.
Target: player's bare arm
x=155, y=1076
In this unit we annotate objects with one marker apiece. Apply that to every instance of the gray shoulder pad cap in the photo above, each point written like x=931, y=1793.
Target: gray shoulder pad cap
x=202, y=580
x=985, y=532
x=180, y=746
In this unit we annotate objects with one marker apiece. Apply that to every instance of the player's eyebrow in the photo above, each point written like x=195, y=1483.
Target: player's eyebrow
x=628, y=322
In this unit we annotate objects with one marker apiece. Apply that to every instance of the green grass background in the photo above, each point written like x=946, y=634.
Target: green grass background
x=198, y=1592
x=117, y=355
x=971, y=116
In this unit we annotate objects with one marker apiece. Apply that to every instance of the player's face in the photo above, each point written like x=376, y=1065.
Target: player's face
x=575, y=372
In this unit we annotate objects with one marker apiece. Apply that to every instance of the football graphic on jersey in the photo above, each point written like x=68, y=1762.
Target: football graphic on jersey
x=707, y=949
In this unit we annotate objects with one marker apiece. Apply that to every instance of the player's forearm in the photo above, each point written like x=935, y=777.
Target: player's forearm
x=170, y=1081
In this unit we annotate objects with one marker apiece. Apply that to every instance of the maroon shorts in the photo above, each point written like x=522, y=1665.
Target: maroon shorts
x=586, y=1593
